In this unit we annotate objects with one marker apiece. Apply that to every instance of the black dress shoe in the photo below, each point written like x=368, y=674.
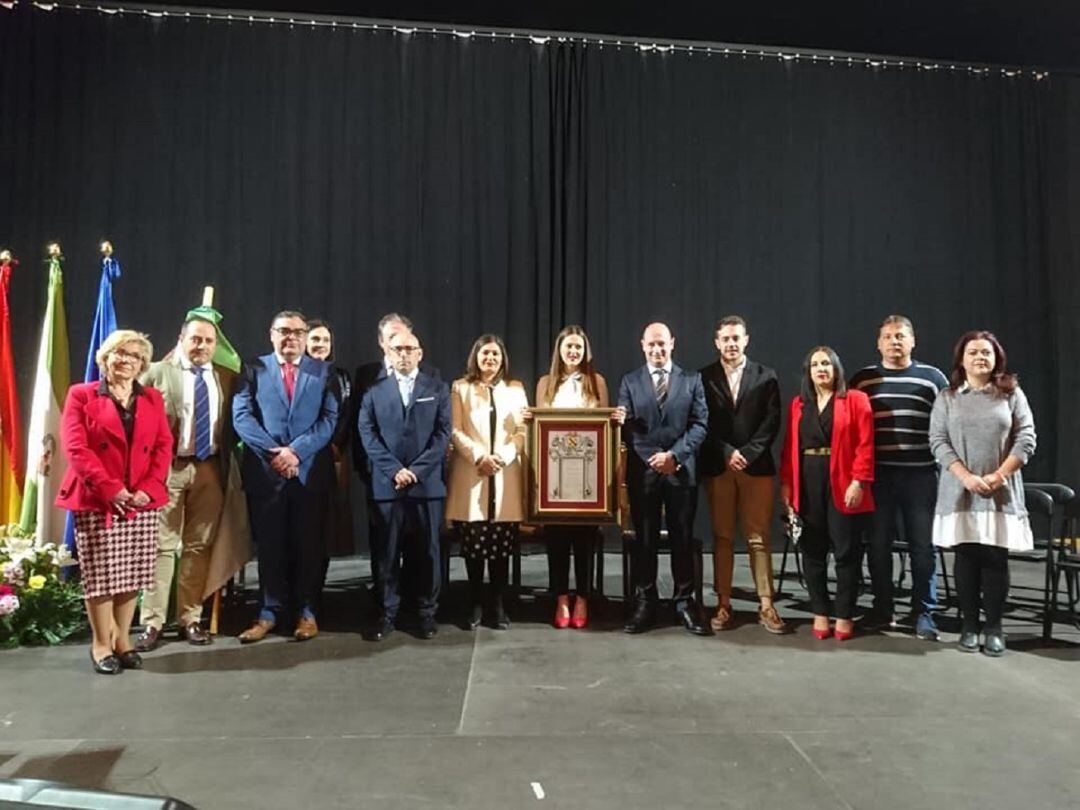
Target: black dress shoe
x=994, y=645
x=691, y=620
x=476, y=615
x=428, y=628
x=109, y=665
x=148, y=639
x=130, y=660
x=969, y=642
x=384, y=628
x=642, y=619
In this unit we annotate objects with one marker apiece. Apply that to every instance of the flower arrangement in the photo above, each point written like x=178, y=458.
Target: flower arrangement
x=37, y=604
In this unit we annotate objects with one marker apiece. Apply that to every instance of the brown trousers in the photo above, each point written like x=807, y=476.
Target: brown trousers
x=188, y=522
x=735, y=496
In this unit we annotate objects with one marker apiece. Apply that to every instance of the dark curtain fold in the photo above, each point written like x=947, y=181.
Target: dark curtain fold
x=509, y=185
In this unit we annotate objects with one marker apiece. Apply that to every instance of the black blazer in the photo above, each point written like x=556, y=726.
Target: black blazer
x=750, y=425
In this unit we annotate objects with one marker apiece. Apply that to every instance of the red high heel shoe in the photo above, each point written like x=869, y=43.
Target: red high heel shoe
x=581, y=614
x=821, y=635
x=844, y=635
x=562, y=613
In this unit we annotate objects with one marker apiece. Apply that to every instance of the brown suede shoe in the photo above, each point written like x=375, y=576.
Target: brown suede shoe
x=305, y=629
x=771, y=621
x=723, y=620
x=197, y=635
x=257, y=631
x=148, y=639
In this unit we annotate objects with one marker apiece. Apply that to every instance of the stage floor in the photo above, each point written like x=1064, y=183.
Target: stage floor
x=535, y=717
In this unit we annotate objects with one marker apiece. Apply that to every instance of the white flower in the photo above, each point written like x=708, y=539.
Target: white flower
x=13, y=573
x=8, y=604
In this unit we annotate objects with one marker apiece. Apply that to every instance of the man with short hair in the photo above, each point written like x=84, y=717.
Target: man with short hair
x=364, y=378
x=902, y=393
x=404, y=424
x=737, y=462
x=664, y=417
x=285, y=412
x=198, y=403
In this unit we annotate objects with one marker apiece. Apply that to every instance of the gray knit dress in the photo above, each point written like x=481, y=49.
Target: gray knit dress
x=981, y=428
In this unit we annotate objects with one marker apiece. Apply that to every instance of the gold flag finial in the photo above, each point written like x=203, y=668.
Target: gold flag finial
x=53, y=249
x=106, y=249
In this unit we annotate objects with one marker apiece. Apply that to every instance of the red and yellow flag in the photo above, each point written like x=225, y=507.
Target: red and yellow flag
x=11, y=451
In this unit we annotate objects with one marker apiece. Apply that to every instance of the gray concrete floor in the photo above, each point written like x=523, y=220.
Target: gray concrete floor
x=535, y=717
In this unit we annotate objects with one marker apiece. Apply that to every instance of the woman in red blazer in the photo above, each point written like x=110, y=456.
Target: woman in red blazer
x=825, y=472
x=119, y=449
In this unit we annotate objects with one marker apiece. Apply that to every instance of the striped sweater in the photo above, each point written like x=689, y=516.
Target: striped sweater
x=902, y=400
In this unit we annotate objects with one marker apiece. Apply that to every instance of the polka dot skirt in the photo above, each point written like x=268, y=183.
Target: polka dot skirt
x=119, y=558
x=481, y=540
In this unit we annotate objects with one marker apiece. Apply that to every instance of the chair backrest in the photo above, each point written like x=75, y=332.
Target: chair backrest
x=1040, y=506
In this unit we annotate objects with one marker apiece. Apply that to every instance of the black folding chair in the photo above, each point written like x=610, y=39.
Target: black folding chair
x=1063, y=553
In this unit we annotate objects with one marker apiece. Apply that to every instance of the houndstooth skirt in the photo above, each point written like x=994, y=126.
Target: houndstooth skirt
x=118, y=558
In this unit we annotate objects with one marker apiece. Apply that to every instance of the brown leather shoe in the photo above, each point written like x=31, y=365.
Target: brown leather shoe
x=148, y=639
x=196, y=634
x=723, y=620
x=306, y=629
x=257, y=631
x=771, y=621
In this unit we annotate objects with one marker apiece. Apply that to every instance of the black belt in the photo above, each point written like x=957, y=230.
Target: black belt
x=196, y=458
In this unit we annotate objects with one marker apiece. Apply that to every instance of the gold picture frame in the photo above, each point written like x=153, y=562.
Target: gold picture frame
x=573, y=466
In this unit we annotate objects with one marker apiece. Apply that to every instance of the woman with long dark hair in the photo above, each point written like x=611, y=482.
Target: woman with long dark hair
x=827, y=465
x=485, y=501
x=982, y=432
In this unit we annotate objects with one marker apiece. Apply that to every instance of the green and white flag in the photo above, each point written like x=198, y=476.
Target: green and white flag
x=46, y=462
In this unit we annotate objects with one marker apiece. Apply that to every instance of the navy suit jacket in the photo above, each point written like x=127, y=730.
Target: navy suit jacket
x=263, y=418
x=680, y=428
x=413, y=437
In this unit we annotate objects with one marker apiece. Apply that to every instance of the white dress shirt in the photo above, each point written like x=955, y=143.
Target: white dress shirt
x=734, y=378
x=185, y=445
x=405, y=386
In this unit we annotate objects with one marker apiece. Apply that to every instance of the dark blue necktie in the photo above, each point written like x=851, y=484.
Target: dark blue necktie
x=202, y=415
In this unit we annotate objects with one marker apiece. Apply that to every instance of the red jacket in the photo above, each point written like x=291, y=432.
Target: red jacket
x=852, y=446
x=100, y=463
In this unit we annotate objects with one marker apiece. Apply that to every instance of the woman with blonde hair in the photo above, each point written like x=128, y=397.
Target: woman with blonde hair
x=571, y=382
x=119, y=449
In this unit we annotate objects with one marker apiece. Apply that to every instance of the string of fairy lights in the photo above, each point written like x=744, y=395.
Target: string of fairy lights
x=643, y=45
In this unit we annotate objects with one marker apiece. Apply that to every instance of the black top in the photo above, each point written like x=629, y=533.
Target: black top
x=341, y=385
x=815, y=429
x=492, y=422
x=127, y=416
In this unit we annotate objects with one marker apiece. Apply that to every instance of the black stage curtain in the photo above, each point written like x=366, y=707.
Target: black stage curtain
x=514, y=186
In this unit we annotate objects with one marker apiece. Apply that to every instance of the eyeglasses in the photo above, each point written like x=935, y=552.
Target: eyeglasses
x=131, y=357
x=404, y=350
x=285, y=332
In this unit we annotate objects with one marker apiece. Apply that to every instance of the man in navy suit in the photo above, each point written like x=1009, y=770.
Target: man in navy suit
x=404, y=424
x=664, y=416
x=285, y=412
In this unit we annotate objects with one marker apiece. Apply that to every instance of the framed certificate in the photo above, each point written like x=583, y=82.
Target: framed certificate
x=573, y=458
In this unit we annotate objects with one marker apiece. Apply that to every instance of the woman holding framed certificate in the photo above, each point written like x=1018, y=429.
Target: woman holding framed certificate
x=572, y=382
x=485, y=500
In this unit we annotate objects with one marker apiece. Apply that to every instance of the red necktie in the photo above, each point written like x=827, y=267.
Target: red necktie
x=288, y=370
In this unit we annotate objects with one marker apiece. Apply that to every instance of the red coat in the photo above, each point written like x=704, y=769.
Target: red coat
x=99, y=461
x=852, y=446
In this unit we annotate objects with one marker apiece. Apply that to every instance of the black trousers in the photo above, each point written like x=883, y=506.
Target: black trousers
x=824, y=528
x=982, y=574
x=399, y=524
x=288, y=528
x=560, y=540
x=650, y=491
